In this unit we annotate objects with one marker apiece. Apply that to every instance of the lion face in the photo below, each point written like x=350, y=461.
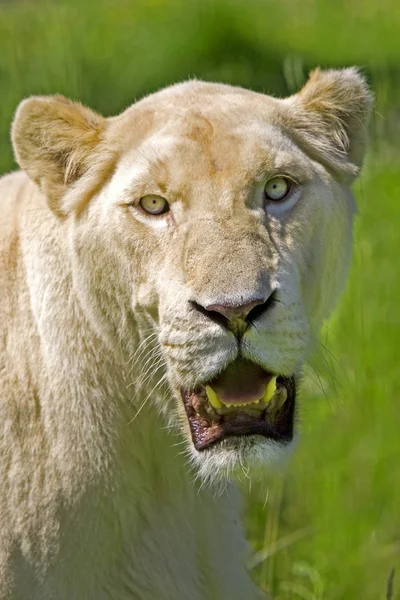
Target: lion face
x=216, y=221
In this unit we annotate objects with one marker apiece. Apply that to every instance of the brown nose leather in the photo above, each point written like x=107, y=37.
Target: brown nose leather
x=239, y=311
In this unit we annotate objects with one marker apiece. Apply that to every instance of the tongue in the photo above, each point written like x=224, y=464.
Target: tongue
x=242, y=382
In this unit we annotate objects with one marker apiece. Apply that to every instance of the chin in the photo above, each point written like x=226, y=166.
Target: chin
x=240, y=458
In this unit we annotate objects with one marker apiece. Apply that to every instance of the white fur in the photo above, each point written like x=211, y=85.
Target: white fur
x=103, y=496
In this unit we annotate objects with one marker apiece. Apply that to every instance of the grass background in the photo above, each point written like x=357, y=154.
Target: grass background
x=329, y=526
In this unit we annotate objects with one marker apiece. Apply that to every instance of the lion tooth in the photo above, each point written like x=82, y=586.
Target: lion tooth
x=213, y=397
x=270, y=390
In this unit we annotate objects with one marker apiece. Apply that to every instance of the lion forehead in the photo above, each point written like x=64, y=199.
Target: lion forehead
x=197, y=112
x=194, y=151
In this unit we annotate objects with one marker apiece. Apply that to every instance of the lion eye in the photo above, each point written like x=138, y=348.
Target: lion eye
x=277, y=189
x=154, y=205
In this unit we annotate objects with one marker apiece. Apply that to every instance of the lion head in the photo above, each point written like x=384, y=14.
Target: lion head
x=215, y=223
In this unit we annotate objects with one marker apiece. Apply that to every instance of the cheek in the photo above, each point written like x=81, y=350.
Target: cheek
x=326, y=257
x=134, y=252
x=154, y=278
x=144, y=296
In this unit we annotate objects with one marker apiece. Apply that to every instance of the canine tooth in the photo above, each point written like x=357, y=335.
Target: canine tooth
x=213, y=397
x=270, y=390
x=280, y=398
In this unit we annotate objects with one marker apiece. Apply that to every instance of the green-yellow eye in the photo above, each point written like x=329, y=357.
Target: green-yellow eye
x=154, y=205
x=277, y=189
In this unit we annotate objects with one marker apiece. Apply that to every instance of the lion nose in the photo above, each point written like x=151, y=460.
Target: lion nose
x=235, y=311
x=236, y=316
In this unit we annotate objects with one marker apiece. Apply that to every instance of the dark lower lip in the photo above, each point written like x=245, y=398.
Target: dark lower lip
x=207, y=429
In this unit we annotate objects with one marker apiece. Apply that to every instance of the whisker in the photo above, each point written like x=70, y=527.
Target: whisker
x=160, y=382
x=141, y=350
x=153, y=356
x=152, y=334
x=144, y=378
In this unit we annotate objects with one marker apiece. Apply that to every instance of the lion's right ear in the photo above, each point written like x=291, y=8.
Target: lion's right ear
x=331, y=114
x=54, y=141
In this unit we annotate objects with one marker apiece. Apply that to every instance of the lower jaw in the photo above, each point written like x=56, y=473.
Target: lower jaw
x=208, y=428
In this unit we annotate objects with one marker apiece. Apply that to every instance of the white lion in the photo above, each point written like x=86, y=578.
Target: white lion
x=164, y=274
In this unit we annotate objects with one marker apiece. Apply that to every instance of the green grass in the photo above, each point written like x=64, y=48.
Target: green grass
x=331, y=522
x=341, y=492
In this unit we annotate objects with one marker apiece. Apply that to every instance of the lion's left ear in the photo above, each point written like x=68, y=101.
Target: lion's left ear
x=54, y=141
x=331, y=113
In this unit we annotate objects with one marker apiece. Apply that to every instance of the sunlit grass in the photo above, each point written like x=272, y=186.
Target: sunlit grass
x=343, y=479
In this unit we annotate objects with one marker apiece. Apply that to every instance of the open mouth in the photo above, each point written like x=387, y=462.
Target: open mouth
x=244, y=400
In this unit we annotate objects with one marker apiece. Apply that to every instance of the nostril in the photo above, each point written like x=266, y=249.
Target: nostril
x=215, y=316
x=261, y=308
